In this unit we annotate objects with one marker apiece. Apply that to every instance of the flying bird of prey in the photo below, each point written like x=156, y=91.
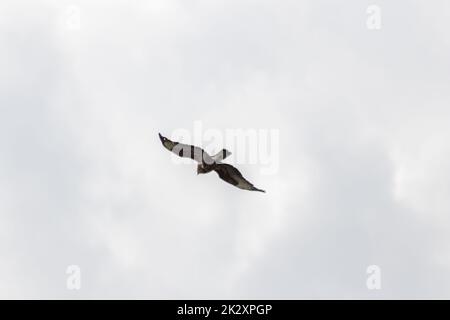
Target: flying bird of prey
x=207, y=163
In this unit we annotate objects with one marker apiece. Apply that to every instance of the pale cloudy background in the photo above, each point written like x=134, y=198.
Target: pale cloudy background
x=364, y=170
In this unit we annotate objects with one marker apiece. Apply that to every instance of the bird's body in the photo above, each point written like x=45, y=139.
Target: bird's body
x=207, y=163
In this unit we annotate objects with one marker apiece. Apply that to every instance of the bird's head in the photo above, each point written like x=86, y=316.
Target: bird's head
x=168, y=144
x=200, y=169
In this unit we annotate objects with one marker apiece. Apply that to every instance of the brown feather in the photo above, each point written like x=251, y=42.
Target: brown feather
x=232, y=175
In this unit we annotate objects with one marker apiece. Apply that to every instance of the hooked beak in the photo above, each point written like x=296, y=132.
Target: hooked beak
x=161, y=137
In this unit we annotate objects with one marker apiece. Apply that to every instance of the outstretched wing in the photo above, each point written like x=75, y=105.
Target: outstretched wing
x=232, y=175
x=187, y=151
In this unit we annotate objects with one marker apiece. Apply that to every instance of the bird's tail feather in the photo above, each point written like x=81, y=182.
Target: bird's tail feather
x=224, y=153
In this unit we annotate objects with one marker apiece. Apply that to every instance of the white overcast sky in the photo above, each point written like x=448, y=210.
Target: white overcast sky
x=364, y=154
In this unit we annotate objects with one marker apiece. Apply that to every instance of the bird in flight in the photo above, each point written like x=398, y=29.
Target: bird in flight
x=207, y=163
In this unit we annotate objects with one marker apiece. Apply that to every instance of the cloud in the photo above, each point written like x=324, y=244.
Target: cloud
x=362, y=173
